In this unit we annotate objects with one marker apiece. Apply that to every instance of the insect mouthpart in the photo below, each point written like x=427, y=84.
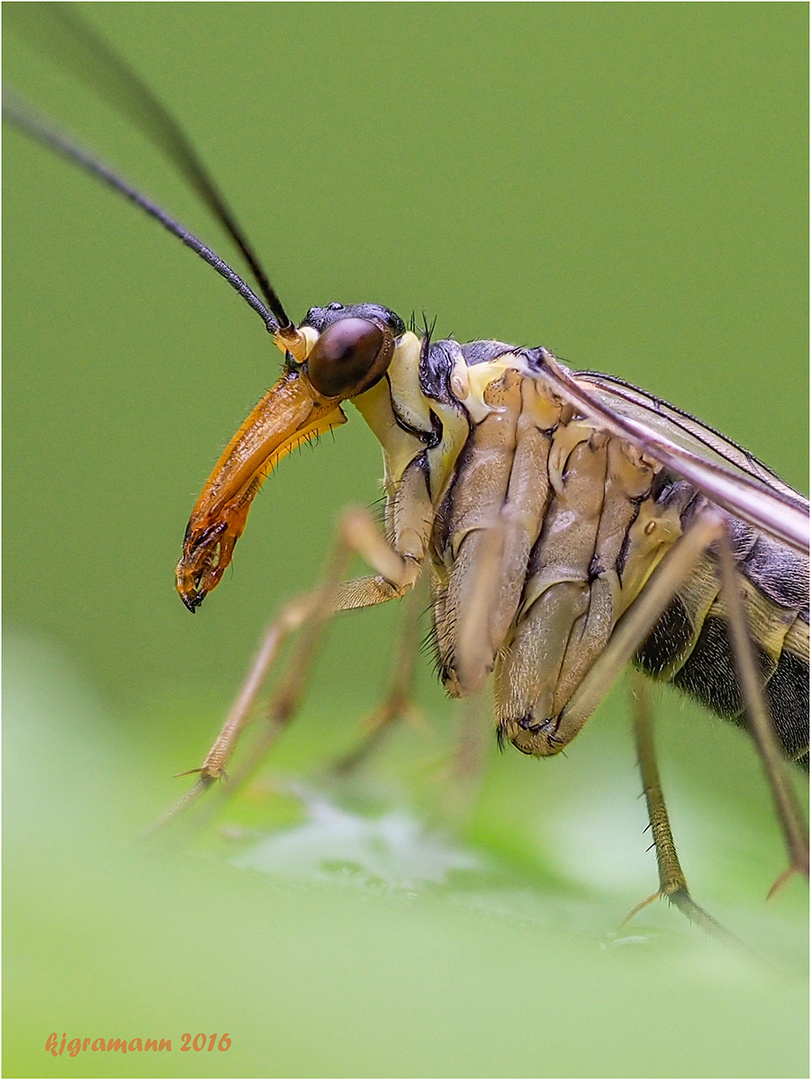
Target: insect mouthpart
x=290, y=413
x=205, y=557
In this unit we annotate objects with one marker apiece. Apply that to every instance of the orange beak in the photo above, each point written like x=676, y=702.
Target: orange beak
x=289, y=414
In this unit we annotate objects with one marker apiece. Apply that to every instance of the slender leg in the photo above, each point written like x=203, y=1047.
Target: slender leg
x=395, y=576
x=468, y=765
x=399, y=701
x=639, y=620
x=465, y=772
x=787, y=805
x=672, y=882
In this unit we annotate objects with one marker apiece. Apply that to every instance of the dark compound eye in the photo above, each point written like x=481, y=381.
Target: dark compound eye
x=349, y=357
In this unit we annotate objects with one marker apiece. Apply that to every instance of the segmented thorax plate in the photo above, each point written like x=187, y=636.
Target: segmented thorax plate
x=529, y=547
x=531, y=511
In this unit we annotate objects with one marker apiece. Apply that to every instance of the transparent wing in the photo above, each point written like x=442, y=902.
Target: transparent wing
x=720, y=469
x=683, y=428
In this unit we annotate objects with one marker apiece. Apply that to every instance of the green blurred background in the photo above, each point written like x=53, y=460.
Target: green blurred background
x=625, y=184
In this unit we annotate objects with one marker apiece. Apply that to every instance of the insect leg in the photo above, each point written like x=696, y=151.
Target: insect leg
x=708, y=527
x=357, y=535
x=491, y=517
x=672, y=882
x=760, y=722
x=467, y=767
x=399, y=701
x=640, y=618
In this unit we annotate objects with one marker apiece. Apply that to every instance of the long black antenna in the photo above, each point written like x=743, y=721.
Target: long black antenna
x=20, y=114
x=88, y=57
